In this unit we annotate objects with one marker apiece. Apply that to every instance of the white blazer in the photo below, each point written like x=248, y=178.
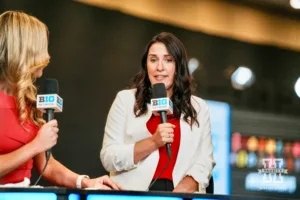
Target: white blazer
x=123, y=129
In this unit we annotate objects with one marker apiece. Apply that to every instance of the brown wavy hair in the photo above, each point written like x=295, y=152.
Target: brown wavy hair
x=183, y=85
x=23, y=51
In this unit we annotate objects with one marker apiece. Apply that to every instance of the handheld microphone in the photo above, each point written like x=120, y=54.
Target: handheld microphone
x=50, y=102
x=161, y=105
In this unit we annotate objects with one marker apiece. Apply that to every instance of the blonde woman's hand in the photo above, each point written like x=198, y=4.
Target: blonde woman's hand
x=47, y=136
x=103, y=183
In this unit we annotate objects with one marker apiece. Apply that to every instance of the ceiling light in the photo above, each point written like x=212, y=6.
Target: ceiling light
x=295, y=4
x=297, y=87
x=242, y=78
x=193, y=65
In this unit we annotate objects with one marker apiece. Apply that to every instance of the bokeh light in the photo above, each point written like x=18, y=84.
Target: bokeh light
x=261, y=144
x=252, y=159
x=252, y=144
x=270, y=146
x=296, y=149
x=236, y=142
x=242, y=158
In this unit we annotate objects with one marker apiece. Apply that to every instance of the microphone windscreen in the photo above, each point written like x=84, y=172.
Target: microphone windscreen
x=159, y=91
x=51, y=86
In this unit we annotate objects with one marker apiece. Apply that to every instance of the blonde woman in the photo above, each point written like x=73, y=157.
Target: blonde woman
x=24, y=136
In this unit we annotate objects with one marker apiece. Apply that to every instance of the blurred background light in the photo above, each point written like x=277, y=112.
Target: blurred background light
x=193, y=65
x=290, y=164
x=296, y=149
x=261, y=144
x=242, y=159
x=236, y=142
x=279, y=147
x=287, y=148
x=233, y=158
x=297, y=87
x=242, y=78
x=295, y=4
x=252, y=144
x=252, y=159
x=244, y=142
x=270, y=146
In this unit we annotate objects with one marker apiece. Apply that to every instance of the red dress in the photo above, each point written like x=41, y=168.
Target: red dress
x=13, y=136
x=152, y=124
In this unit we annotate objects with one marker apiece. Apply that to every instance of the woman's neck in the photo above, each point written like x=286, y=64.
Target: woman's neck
x=4, y=87
x=169, y=93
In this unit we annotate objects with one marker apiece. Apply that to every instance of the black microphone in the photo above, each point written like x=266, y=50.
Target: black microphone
x=49, y=102
x=162, y=105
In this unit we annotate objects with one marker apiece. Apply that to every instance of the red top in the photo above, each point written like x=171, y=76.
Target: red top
x=13, y=136
x=152, y=124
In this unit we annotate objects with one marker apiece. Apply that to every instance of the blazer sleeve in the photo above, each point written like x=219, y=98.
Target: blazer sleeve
x=202, y=166
x=116, y=155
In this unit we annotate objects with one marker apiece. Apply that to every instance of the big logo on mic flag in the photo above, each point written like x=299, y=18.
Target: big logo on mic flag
x=53, y=101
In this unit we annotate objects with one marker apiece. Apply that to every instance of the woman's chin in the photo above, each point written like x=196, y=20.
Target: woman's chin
x=38, y=75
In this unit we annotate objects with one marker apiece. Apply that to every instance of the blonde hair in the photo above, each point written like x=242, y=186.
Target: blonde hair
x=23, y=51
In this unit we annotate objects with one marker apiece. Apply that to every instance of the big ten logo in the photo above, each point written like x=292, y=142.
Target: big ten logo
x=160, y=102
x=47, y=99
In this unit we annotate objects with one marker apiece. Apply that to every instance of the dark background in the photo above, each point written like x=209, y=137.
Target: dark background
x=96, y=52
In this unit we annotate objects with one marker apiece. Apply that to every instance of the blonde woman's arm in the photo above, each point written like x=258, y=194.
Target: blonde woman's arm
x=45, y=139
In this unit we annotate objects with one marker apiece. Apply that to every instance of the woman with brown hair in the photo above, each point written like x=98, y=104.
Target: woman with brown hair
x=134, y=150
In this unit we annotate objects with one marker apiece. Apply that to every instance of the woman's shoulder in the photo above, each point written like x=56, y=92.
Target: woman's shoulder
x=7, y=101
x=198, y=103
x=126, y=93
x=198, y=100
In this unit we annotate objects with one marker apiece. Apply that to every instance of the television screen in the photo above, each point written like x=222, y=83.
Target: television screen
x=27, y=195
x=220, y=117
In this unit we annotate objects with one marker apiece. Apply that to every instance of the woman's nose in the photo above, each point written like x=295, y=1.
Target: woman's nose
x=160, y=66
